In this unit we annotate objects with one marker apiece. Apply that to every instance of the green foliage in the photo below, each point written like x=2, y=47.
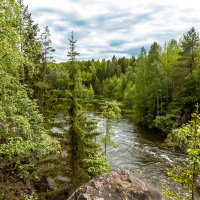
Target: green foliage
x=16, y=149
x=190, y=92
x=42, y=88
x=188, y=136
x=174, y=195
x=29, y=46
x=190, y=46
x=22, y=130
x=72, y=54
x=10, y=56
x=110, y=112
x=156, y=85
x=166, y=122
x=32, y=196
x=112, y=87
x=86, y=159
x=23, y=138
x=89, y=161
x=149, y=88
x=161, y=87
x=129, y=95
x=96, y=164
x=47, y=50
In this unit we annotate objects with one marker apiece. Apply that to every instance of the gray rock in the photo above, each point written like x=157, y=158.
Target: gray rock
x=64, y=154
x=116, y=186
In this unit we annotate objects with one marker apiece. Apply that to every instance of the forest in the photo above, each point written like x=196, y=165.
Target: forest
x=160, y=88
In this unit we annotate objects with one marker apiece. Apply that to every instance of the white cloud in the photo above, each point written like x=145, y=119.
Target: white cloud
x=104, y=28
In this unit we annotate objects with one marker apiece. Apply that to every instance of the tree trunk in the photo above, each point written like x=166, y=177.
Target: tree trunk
x=157, y=106
x=194, y=181
x=105, y=142
x=194, y=175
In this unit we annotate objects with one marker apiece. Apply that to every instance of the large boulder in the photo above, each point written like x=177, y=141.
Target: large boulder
x=116, y=186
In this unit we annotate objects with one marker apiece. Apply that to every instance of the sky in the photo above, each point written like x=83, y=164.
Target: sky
x=104, y=28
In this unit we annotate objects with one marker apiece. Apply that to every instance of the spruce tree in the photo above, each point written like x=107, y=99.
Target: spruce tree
x=42, y=87
x=190, y=47
x=86, y=159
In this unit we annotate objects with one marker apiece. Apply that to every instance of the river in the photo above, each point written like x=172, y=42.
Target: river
x=139, y=150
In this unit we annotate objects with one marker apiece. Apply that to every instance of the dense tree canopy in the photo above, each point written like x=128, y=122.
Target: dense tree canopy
x=160, y=87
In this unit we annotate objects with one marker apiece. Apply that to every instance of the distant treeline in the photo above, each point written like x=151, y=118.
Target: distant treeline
x=161, y=86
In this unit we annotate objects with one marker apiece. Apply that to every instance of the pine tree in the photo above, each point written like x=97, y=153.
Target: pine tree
x=46, y=56
x=154, y=53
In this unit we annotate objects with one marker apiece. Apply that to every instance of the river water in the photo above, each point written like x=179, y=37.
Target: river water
x=139, y=150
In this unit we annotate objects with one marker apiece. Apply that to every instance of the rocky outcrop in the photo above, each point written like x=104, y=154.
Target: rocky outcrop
x=116, y=186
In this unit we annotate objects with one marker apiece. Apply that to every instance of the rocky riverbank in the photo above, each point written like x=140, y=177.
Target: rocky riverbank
x=116, y=186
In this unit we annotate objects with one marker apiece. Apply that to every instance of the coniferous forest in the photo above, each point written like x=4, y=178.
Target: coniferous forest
x=159, y=87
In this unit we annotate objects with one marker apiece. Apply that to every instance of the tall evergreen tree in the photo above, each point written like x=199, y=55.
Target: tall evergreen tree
x=154, y=53
x=41, y=83
x=47, y=50
x=86, y=159
x=190, y=45
x=29, y=45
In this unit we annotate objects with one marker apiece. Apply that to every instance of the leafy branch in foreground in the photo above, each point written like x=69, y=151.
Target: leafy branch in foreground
x=189, y=137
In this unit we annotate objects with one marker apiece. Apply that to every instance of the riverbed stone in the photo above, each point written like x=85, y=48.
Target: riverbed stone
x=116, y=186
